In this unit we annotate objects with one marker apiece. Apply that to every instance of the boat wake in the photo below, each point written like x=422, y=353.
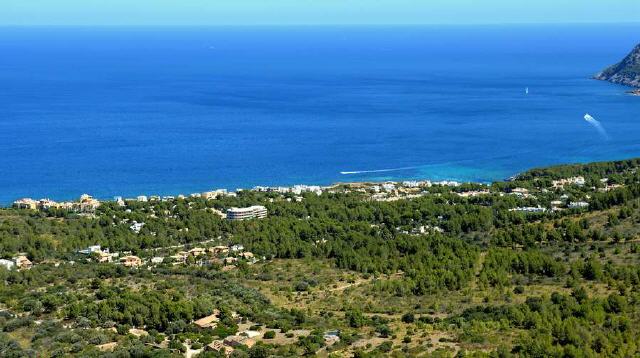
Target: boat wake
x=597, y=125
x=378, y=171
x=444, y=164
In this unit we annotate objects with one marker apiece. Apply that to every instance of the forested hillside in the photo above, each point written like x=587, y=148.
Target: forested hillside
x=545, y=265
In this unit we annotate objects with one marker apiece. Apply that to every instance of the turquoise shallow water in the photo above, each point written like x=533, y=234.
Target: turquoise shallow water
x=166, y=111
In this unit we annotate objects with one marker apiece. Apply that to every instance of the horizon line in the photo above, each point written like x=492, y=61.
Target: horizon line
x=113, y=25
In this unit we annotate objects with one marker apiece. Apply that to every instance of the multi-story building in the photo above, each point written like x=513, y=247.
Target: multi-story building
x=252, y=212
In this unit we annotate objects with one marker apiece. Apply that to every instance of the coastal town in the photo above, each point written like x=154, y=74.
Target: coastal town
x=559, y=195
x=385, y=191
x=554, y=198
x=284, y=269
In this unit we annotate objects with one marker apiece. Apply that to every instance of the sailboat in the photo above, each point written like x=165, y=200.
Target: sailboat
x=526, y=90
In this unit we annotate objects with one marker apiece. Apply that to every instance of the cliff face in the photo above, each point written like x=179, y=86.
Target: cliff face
x=627, y=72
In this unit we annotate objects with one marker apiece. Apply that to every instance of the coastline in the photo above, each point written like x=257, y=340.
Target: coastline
x=368, y=115
x=297, y=189
x=87, y=202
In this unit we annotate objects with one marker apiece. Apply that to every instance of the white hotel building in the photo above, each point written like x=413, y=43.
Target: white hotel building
x=252, y=212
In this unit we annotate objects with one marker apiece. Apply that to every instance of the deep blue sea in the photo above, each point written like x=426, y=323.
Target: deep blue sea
x=128, y=111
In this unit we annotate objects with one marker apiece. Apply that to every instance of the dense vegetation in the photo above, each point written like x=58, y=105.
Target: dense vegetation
x=439, y=273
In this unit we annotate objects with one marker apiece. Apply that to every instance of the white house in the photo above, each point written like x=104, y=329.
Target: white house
x=578, y=205
x=7, y=264
x=136, y=227
x=237, y=248
x=91, y=249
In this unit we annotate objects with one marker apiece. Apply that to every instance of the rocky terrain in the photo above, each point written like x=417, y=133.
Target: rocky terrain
x=626, y=72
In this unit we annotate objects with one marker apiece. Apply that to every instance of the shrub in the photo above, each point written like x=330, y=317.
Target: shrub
x=408, y=318
x=385, y=347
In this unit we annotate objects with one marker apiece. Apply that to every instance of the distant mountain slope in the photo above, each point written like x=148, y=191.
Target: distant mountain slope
x=627, y=72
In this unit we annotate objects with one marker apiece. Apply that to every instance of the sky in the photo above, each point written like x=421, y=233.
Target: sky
x=313, y=12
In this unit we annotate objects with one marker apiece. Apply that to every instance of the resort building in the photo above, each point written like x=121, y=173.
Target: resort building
x=86, y=204
x=570, y=181
x=25, y=203
x=389, y=186
x=415, y=184
x=252, y=212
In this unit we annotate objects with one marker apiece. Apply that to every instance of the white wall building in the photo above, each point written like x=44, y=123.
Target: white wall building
x=252, y=212
x=578, y=205
x=136, y=227
x=7, y=264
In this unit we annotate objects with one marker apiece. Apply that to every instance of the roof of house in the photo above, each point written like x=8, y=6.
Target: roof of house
x=249, y=342
x=207, y=321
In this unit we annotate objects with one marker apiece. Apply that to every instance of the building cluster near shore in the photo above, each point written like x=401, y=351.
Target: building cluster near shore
x=208, y=195
x=385, y=191
x=556, y=196
x=393, y=191
x=85, y=204
x=296, y=189
x=559, y=184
